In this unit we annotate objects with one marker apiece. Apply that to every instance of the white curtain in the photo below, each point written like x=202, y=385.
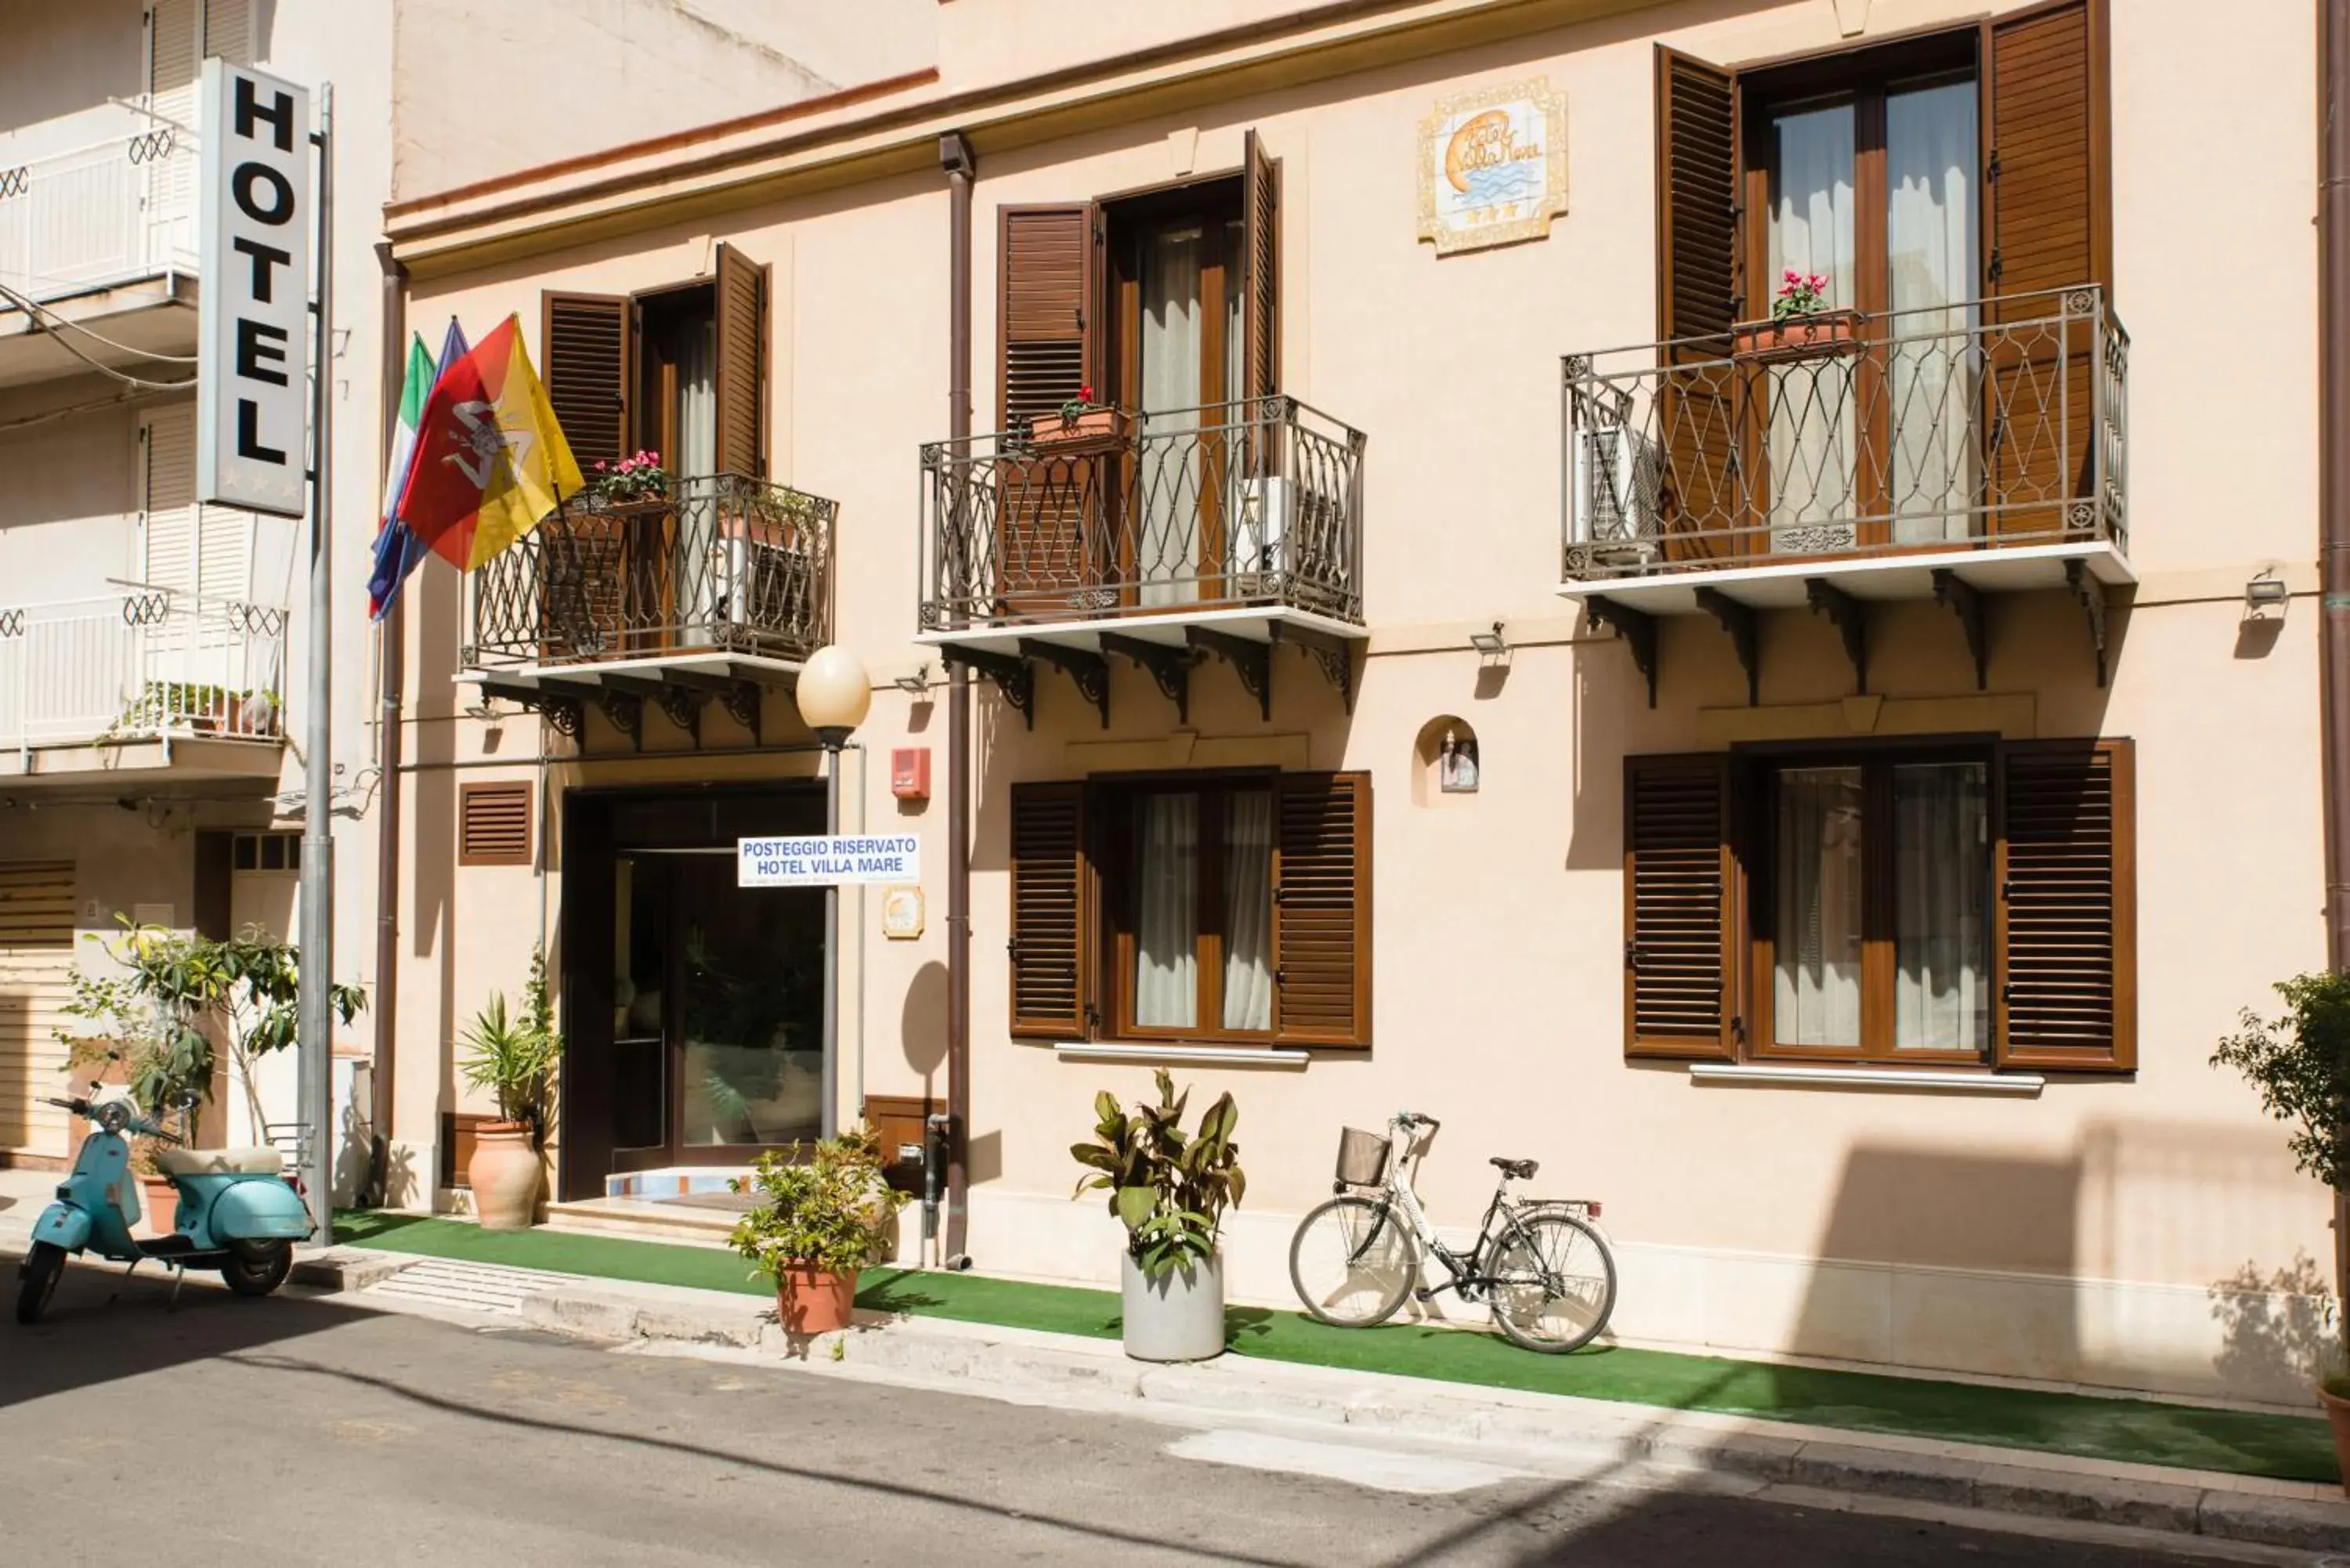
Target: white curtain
x=1942, y=829
x=1931, y=217
x=1816, y=983
x=697, y=401
x=1248, y=910
x=1166, y=945
x=1812, y=429
x=1168, y=551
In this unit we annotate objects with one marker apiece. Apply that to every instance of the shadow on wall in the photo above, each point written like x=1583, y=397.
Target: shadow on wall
x=922, y=1026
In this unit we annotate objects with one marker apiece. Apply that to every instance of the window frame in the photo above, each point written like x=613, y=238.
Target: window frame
x=1112, y=802
x=1754, y=801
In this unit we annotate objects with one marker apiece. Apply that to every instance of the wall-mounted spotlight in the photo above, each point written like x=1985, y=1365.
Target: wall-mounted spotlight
x=918, y=684
x=1490, y=644
x=2267, y=592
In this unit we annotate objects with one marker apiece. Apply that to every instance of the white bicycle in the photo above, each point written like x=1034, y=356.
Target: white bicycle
x=1539, y=1265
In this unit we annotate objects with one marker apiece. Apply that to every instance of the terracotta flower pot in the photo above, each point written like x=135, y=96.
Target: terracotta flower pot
x=812, y=1301
x=1800, y=337
x=505, y=1174
x=2338, y=1416
x=159, y=1204
x=1093, y=426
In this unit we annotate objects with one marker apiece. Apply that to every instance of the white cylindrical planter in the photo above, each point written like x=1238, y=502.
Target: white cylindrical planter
x=1178, y=1318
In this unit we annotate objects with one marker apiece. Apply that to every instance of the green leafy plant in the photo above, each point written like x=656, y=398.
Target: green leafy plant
x=826, y=1209
x=1082, y=403
x=513, y=1058
x=1801, y=293
x=637, y=477
x=1168, y=1188
x=162, y=999
x=2299, y=1063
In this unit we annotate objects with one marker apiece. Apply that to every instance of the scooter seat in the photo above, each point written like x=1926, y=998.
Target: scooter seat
x=219, y=1162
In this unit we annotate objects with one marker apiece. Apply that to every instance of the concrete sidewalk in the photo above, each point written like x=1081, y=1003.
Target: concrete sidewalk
x=1549, y=1433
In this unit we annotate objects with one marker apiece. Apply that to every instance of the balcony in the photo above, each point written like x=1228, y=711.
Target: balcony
x=718, y=587
x=142, y=683
x=1159, y=537
x=105, y=232
x=1945, y=454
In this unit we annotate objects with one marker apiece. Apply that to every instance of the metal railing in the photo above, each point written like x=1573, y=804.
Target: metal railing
x=1244, y=503
x=1989, y=425
x=722, y=562
x=141, y=665
x=118, y=209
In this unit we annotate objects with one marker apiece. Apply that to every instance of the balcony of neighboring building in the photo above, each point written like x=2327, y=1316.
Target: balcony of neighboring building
x=711, y=587
x=140, y=684
x=1831, y=462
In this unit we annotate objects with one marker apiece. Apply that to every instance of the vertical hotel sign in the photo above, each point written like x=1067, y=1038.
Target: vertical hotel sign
x=251, y=397
x=1492, y=166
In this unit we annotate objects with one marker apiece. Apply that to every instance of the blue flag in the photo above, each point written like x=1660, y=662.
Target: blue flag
x=397, y=548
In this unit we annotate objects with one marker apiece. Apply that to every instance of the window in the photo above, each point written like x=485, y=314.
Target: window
x=266, y=852
x=1216, y=908
x=1951, y=903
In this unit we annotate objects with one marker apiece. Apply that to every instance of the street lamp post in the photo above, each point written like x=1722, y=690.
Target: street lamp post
x=834, y=694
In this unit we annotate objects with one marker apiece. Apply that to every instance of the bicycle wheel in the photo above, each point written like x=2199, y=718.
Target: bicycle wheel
x=1353, y=1261
x=1554, y=1282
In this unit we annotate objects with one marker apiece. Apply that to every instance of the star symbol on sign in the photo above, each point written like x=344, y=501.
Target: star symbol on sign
x=487, y=442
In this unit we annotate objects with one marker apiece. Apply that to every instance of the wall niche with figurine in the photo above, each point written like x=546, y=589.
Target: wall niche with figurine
x=1446, y=768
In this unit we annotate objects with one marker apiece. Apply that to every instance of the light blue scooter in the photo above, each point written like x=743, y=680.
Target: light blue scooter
x=236, y=1213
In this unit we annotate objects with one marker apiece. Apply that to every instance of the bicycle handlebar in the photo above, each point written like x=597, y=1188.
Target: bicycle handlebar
x=1414, y=1120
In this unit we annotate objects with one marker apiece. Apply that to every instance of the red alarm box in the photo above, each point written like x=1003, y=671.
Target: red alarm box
x=910, y=772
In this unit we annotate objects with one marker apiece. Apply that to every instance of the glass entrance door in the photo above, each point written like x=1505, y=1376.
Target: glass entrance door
x=718, y=1004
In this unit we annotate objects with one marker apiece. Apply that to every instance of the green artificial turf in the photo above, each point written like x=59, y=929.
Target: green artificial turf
x=2287, y=1448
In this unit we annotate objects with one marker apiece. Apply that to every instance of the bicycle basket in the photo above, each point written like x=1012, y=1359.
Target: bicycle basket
x=1362, y=1157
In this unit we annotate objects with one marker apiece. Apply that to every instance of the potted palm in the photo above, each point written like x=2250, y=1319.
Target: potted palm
x=2300, y=1065
x=1169, y=1188
x=513, y=1060
x=821, y=1216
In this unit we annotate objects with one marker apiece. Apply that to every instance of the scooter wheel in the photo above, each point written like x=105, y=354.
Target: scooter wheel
x=257, y=1268
x=36, y=1280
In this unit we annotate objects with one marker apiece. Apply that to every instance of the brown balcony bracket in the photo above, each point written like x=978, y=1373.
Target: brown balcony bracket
x=1739, y=621
x=1334, y=655
x=1637, y=628
x=1252, y=661
x=564, y=714
x=682, y=706
x=1965, y=602
x=2091, y=594
x=1850, y=620
x=745, y=703
x=625, y=711
x=1169, y=668
x=1011, y=676
x=1090, y=671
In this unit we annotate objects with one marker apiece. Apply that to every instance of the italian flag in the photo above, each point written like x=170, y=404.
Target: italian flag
x=396, y=550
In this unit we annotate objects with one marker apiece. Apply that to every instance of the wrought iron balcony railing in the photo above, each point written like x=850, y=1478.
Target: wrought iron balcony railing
x=141, y=665
x=1991, y=424
x=721, y=564
x=1250, y=504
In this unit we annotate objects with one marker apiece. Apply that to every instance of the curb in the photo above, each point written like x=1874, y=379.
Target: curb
x=1556, y=1430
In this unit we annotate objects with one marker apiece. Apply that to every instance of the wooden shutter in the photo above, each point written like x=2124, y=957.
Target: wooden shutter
x=1697, y=282
x=1679, y=909
x=1048, y=289
x=2066, y=915
x=2050, y=228
x=167, y=532
x=587, y=372
x=1321, y=909
x=36, y=963
x=1260, y=273
x=1051, y=943
x=228, y=30
x=493, y=824
x=741, y=391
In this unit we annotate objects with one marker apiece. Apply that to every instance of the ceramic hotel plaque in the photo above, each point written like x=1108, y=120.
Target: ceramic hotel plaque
x=1492, y=166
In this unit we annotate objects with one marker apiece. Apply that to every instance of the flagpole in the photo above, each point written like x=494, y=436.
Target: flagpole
x=314, y=999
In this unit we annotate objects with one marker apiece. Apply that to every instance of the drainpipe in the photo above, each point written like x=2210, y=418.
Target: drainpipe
x=955, y=157
x=2333, y=503
x=391, y=685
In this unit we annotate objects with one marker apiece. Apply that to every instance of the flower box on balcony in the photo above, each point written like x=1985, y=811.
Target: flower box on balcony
x=1823, y=333
x=1094, y=430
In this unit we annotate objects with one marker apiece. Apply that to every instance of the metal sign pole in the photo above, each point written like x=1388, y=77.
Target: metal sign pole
x=313, y=1002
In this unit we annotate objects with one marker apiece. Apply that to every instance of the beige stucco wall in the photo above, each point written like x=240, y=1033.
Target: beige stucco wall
x=2075, y=1234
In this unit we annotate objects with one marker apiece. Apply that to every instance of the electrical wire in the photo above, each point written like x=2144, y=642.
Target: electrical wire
x=39, y=313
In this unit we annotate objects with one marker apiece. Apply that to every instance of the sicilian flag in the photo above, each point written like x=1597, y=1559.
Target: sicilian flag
x=491, y=459
x=396, y=548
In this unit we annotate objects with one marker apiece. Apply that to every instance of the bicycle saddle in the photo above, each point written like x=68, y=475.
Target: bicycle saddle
x=1519, y=1169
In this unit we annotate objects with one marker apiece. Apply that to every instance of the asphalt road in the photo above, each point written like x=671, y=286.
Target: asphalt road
x=307, y=1430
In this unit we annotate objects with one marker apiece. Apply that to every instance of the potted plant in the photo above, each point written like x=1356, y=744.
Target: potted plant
x=2300, y=1065
x=513, y=1058
x=637, y=477
x=1169, y=1190
x=822, y=1217
x=1801, y=324
x=1081, y=420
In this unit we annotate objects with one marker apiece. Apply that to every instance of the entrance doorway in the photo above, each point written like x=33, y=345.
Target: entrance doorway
x=694, y=1007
